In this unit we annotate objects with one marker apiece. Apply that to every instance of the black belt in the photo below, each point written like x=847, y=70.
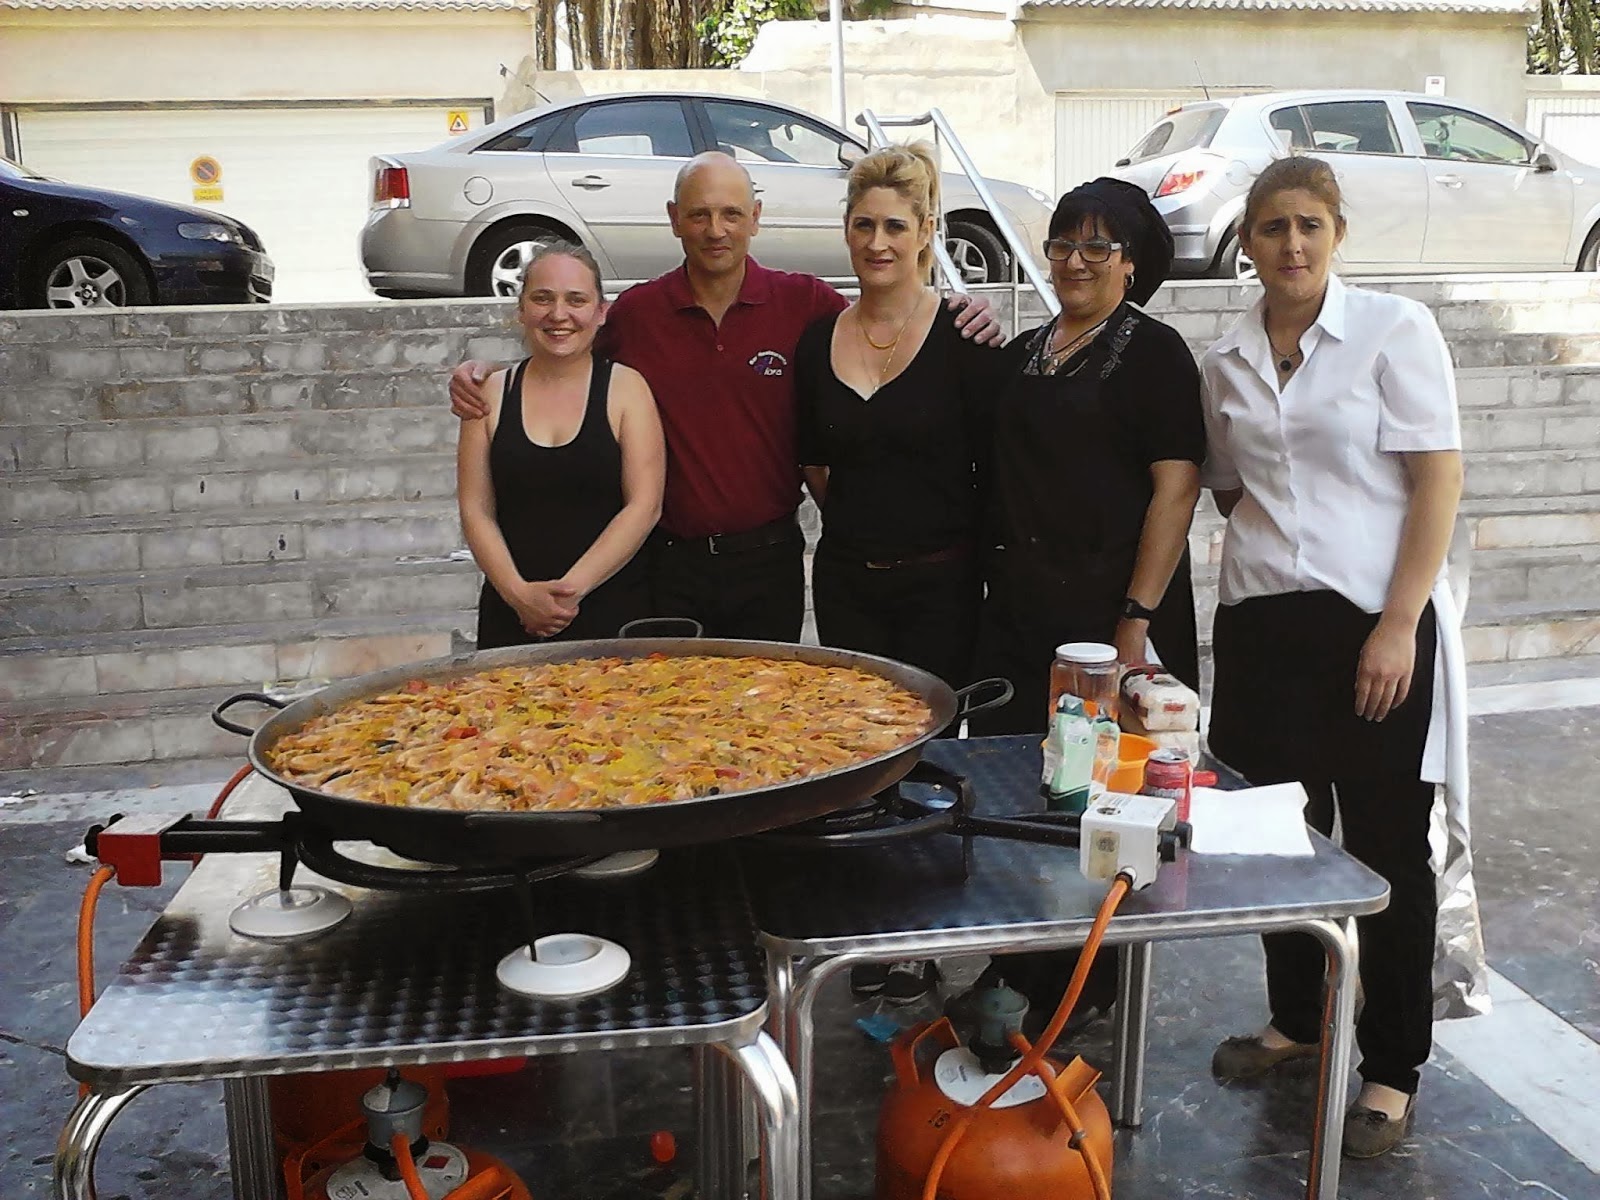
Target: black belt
x=773, y=533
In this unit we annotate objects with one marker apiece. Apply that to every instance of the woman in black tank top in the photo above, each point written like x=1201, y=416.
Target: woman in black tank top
x=561, y=485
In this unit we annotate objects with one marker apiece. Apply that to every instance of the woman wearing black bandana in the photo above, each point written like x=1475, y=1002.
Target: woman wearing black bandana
x=1099, y=437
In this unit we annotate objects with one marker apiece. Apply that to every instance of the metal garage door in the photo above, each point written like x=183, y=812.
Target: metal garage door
x=1569, y=123
x=1094, y=129
x=296, y=175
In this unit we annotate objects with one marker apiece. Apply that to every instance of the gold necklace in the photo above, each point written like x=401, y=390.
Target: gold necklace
x=890, y=346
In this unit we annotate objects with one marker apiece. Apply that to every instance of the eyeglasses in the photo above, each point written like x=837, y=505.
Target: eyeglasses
x=1095, y=251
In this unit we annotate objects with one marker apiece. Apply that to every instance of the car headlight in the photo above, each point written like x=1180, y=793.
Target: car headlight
x=208, y=231
x=1041, y=197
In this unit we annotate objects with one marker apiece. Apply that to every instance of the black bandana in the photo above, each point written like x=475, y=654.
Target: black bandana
x=1136, y=220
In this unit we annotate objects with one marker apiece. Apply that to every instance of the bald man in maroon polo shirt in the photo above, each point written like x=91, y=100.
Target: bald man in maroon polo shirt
x=715, y=340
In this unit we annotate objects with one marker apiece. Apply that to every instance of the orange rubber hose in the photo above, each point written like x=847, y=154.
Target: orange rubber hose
x=227, y=790
x=401, y=1149
x=1030, y=1061
x=91, y=897
x=1075, y=1129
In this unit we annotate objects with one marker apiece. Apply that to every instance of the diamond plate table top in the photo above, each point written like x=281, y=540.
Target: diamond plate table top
x=809, y=902
x=411, y=977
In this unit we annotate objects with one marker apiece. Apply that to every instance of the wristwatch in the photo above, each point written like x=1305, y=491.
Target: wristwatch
x=1132, y=610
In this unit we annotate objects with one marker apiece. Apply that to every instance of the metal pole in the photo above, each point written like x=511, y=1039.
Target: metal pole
x=836, y=27
x=248, y=1108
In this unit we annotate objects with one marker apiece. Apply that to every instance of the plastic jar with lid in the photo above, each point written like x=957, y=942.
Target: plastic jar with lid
x=1089, y=671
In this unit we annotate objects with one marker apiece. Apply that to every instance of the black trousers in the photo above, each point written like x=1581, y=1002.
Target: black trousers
x=925, y=614
x=757, y=594
x=1385, y=822
x=1283, y=709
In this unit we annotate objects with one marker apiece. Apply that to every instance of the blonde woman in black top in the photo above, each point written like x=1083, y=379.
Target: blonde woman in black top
x=892, y=421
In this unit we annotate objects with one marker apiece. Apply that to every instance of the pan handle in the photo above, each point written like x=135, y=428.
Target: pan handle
x=488, y=822
x=966, y=705
x=234, y=726
x=633, y=628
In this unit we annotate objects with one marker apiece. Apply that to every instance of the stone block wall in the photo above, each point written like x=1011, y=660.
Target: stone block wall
x=192, y=500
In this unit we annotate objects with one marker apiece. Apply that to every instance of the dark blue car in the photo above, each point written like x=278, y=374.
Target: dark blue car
x=66, y=246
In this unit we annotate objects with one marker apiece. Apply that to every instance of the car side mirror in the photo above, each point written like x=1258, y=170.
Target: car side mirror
x=1542, y=162
x=850, y=154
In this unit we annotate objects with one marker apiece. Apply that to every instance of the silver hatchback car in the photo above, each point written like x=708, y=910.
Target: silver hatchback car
x=459, y=219
x=1430, y=185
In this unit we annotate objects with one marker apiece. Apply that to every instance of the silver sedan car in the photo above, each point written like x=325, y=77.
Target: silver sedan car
x=1430, y=185
x=459, y=219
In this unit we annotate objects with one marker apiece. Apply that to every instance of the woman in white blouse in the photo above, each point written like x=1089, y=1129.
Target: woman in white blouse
x=1334, y=451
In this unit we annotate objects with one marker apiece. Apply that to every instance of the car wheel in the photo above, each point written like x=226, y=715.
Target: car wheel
x=499, y=260
x=1232, y=262
x=1589, y=260
x=87, y=272
x=977, y=251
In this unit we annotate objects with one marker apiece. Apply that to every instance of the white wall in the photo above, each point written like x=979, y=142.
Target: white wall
x=80, y=56
x=1481, y=56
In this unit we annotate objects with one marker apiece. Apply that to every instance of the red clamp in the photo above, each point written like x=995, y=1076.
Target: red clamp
x=132, y=845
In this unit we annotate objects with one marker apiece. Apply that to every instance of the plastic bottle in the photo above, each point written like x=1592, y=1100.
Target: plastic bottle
x=1069, y=755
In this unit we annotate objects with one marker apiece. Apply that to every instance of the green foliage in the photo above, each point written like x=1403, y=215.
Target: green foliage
x=729, y=31
x=1566, y=38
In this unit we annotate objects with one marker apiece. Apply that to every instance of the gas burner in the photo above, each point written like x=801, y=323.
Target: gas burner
x=564, y=966
x=289, y=914
x=940, y=803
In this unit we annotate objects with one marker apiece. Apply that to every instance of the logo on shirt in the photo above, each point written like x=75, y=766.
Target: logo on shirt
x=769, y=362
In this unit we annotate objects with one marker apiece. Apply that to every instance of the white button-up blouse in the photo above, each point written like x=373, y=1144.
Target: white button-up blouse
x=1325, y=491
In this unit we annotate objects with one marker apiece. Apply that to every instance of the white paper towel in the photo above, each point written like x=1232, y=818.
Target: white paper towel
x=1261, y=820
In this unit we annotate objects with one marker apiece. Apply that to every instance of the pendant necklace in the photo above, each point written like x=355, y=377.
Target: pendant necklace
x=1285, y=361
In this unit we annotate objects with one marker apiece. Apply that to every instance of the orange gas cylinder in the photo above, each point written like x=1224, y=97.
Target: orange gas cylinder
x=316, y=1117
x=1018, y=1149
x=386, y=1153
x=447, y=1173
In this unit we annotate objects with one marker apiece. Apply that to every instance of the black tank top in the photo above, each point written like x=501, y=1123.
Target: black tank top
x=552, y=502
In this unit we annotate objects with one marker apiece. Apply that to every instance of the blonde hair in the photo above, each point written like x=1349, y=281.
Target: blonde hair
x=911, y=172
x=1298, y=173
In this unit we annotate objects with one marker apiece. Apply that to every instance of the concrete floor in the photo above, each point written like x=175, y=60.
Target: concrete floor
x=579, y=1127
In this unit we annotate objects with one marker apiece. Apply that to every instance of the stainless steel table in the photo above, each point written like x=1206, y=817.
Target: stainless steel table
x=410, y=979
x=823, y=913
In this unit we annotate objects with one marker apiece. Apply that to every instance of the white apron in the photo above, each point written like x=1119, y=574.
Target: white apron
x=1460, y=972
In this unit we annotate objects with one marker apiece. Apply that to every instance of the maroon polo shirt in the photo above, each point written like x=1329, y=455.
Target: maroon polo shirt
x=726, y=394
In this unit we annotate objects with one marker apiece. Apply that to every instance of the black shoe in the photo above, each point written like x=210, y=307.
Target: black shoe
x=909, y=982
x=868, y=979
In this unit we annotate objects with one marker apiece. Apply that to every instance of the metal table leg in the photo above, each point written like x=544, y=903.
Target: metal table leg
x=780, y=993
x=719, y=1132
x=79, y=1143
x=256, y=1172
x=1132, y=1033
x=773, y=1085
x=1338, y=1032
x=807, y=983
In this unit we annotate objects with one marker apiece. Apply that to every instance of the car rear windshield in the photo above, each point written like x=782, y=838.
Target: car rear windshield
x=16, y=170
x=1188, y=129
